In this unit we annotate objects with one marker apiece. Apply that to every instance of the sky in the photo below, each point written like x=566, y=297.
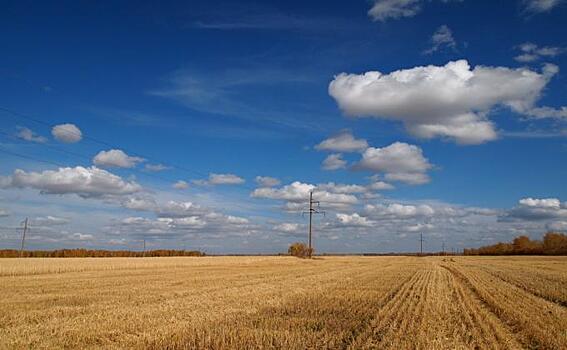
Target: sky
x=205, y=124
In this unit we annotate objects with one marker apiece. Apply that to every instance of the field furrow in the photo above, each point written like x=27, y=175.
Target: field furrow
x=434, y=310
x=535, y=322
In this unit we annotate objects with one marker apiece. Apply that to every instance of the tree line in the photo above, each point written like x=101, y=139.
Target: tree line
x=96, y=253
x=551, y=244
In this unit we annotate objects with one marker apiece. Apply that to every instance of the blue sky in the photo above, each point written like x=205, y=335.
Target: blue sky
x=449, y=120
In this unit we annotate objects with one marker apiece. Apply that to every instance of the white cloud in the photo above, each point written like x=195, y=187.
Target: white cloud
x=89, y=182
x=298, y=193
x=146, y=203
x=175, y=219
x=267, y=181
x=397, y=211
x=451, y=101
x=548, y=112
x=287, y=227
x=383, y=10
x=181, y=185
x=67, y=133
x=49, y=221
x=334, y=162
x=540, y=6
x=540, y=203
x=81, y=236
x=156, y=167
x=28, y=135
x=116, y=158
x=344, y=142
x=221, y=179
x=534, y=209
x=380, y=186
x=354, y=220
x=443, y=37
x=399, y=161
x=341, y=188
x=531, y=52
x=176, y=209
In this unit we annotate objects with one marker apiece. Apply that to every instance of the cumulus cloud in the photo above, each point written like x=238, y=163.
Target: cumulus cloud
x=174, y=219
x=378, y=185
x=534, y=209
x=298, y=193
x=343, y=142
x=354, y=220
x=221, y=179
x=146, y=203
x=442, y=38
x=540, y=6
x=89, y=182
x=28, y=135
x=397, y=211
x=399, y=162
x=334, y=162
x=116, y=158
x=383, y=10
x=530, y=52
x=181, y=185
x=267, y=181
x=451, y=101
x=67, y=133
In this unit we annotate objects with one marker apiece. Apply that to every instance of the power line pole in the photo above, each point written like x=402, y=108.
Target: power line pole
x=312, y=211
x=443, y=247
x=25, y=222
x=144, y=253
x=421, y=244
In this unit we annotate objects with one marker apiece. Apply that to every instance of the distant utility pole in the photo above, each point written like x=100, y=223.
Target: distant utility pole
x=312, y=211
x=25, y=222
x=144, y=253
x=443, y=247
x=421, y=244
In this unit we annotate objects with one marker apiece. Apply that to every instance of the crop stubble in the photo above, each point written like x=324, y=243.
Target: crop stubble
x=287, y=303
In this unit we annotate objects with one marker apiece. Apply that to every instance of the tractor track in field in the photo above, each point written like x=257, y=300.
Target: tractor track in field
x=532, y=333
x=562, y=303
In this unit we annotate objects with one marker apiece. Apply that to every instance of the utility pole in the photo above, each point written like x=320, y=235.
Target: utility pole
x=421, y=244
x=443, y=247
x=144, y=253
x=25, y=222
x=312, y=211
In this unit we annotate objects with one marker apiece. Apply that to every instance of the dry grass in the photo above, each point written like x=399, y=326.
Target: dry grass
x=284, y=303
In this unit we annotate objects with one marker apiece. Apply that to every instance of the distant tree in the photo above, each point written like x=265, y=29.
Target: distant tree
x=555, y=244
x=552, y=244
x=299, y=250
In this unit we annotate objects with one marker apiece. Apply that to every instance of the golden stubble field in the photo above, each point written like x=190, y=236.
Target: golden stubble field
x=285, y=303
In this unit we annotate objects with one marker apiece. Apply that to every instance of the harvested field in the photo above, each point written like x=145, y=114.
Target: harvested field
x=285, y=303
